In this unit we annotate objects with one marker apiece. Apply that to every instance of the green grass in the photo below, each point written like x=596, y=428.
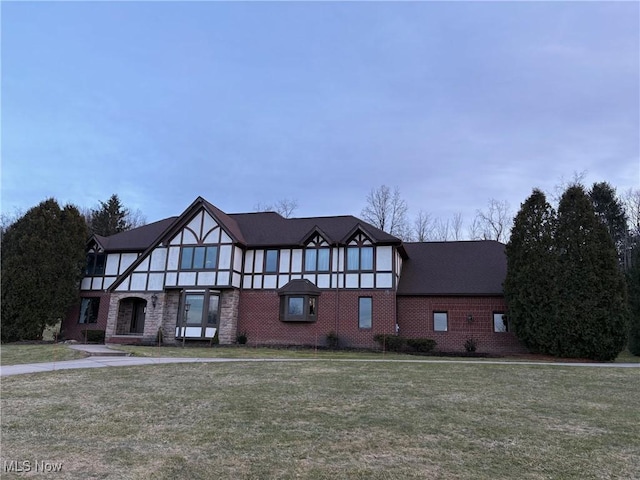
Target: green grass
x=327, y=419
x=263, y=352
x=255, y=352
x=15, y=354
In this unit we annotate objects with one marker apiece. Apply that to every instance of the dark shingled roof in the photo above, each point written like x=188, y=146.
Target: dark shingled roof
x=270, y=229
x=299, y=286
x=453, y=268
x=136, y=239
x=263, y=229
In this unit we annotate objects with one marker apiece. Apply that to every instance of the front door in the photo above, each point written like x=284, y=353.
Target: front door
x=198, y=317
x=137, y=317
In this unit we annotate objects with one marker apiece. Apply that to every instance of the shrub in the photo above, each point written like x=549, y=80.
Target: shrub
x=94, y=336
x=392, y=343
x=242, y=338
x=470, y=345
x=423, y=345
x=332, y=340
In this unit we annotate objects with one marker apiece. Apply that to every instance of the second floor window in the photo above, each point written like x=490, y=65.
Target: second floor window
x=95, y=264
x=199, y=258
x=271, y=261
x=316, y=260
x=360, y=258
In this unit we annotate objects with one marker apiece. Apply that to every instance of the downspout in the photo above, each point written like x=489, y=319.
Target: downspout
x=337, y=313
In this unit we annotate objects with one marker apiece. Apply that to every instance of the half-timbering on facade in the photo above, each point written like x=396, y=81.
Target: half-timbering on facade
x=290, y=281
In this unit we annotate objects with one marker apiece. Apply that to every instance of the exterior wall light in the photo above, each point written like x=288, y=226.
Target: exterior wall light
x=469, y=318
x=154, y=300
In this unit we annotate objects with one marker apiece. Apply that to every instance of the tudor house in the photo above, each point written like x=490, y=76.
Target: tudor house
x=288, y=282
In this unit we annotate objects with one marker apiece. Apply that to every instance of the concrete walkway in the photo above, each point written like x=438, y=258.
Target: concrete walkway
x=94, y=350
x=103, y=356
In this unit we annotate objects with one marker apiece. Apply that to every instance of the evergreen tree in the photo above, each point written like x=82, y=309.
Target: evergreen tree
x=591, y=303
x=530, y=284
x=633, y=282
x=610, y=210
x=110, y=218
x=42, y=262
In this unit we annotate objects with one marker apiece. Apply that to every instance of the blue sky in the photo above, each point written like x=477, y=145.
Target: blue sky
x=247, y=103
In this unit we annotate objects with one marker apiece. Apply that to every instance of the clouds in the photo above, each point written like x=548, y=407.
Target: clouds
x=250, y=102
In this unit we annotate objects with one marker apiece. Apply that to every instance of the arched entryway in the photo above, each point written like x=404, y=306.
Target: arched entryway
x=131, y=316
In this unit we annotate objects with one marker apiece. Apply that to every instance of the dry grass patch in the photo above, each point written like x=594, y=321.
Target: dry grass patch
x=17, y=354
x=327, y=420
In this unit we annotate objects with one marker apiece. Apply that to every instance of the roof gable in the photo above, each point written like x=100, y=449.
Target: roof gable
x=200, y=224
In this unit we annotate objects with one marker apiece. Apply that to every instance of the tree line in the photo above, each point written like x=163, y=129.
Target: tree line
x=565, y=288
x=387, y=210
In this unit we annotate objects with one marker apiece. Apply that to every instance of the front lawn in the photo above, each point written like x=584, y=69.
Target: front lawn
x=255, y=352
x=326, y=420
x=17, y=353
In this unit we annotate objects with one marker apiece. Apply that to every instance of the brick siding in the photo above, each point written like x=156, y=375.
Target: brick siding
x=257, y=313
x=72, y=330
x=416, y=320
x=259, y=318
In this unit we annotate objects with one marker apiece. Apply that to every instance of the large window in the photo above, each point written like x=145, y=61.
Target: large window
x=316, y=259
x=203, y=310
x=89, y=310
x=271, y=261
x=365, y=312
x=440, y=322
x=199, y=258
x=95, y=264
x=298, y=308
x=359, y=258
x=500, y=322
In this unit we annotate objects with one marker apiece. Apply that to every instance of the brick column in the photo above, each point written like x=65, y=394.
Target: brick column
x=228, y=328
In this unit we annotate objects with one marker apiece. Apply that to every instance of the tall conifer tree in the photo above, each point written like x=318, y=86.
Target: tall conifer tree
x=633, y=282
x=530, y=283
x=591, y=301
x=610, y=210
x=42, y=261
x=110, y=218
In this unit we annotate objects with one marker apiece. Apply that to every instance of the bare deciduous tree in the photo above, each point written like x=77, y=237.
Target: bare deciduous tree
x=495, y=222
x=474, y=230
x=422, y=227
x=576, y=179
x=136, y=218
x=631, y=201
x=387, y=211
x=441, y=230
x=284, y=207
x=456, y=226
